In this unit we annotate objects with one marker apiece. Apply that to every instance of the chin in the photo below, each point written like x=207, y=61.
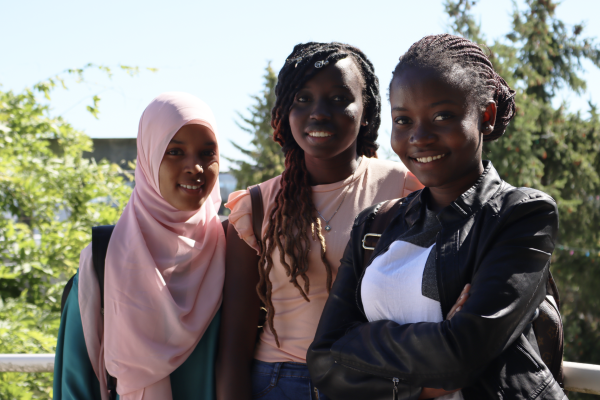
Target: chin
x=427, y=180
x=186, y=206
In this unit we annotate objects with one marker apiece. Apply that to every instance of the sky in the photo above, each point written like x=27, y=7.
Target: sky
x=218, y=50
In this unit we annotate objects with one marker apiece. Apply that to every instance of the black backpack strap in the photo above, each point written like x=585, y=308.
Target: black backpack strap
x=65, y=294
x=382, y=215
x=552, y=289
x=100, y=239
x=258, y=213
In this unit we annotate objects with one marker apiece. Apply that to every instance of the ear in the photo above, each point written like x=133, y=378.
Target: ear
x=487, y=120
x=363, y=118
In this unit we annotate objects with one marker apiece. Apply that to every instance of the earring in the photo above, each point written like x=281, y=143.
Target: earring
x=366, y=123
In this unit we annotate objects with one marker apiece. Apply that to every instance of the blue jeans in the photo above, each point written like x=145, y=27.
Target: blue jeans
x=283, y=381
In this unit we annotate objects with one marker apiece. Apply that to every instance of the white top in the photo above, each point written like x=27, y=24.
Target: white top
x=393, y=287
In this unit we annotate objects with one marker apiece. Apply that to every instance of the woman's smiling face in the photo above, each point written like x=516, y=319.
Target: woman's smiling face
x=327, y=111
x=189, y=168
x=436, y=131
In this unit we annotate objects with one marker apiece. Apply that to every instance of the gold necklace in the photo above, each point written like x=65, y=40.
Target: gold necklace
x=346, y=190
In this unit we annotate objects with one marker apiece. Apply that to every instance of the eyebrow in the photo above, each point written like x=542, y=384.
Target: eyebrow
x=209, y=143
x=437, y=103
x=306, y=86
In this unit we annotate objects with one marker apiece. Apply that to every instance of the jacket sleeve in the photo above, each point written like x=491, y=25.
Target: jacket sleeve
x=340, y=315
x=508, y=284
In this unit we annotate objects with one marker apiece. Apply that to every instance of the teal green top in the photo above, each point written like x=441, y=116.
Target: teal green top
x=74, y=376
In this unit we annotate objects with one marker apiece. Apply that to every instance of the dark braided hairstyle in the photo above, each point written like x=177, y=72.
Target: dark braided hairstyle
x=292, y=222
x=465, y=64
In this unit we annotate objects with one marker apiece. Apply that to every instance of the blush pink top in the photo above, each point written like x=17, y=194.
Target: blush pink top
x=296, y=319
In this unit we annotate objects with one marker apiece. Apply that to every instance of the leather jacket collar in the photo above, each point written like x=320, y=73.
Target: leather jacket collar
x=471, y=201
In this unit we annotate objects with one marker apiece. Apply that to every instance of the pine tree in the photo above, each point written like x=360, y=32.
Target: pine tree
x=266, y=155
x=552, y=149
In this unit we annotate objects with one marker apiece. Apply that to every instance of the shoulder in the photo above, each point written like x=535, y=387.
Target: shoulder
x=240, y=199
x=366, y=214
x=240, y=205
x=269, y=189
x=519, y=204
x=390, y=173
x=386, y=167
x=509, y=197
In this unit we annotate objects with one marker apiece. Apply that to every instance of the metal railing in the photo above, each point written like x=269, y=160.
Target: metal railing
x=584, y=378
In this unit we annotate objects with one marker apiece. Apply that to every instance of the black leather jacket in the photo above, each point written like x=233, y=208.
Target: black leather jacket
x=498, y=238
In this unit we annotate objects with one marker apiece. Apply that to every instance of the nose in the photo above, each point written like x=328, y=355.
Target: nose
x=421, y=136
x=320, y=110
x=194, y=166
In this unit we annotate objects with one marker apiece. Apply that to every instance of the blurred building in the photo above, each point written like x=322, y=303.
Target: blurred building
x=124, y=151
x=117, y=151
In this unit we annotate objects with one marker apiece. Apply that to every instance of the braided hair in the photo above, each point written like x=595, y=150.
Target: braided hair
x=292, y=223
x=464, y=63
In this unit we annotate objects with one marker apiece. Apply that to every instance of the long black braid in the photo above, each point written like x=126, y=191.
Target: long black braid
x=464, y=62
x=292, y=223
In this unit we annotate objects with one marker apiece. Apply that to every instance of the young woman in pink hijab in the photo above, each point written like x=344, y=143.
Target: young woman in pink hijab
x=164, y=272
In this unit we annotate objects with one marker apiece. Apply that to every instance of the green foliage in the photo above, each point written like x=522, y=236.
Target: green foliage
x=266, y=155
x=50, y=197
x=552, y=149
x=25, y=329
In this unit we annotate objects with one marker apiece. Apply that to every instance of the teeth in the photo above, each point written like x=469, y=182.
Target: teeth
x=425, y=160
x=319, y=134
x=190, y=187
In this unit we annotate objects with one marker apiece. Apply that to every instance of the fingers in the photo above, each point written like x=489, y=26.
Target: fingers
x=464, y=295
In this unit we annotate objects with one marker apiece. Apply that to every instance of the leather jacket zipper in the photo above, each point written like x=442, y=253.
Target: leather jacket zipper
x=395, y=381
x=395, y=392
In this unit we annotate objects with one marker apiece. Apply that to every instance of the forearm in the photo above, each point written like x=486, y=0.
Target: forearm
x=508, y=283
x=240, y=312
x=234, y=361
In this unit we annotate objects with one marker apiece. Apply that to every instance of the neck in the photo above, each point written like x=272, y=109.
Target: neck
x=442, y=196
x=331, y=170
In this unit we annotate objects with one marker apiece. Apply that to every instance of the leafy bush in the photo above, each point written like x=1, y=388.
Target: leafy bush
x=50, y=197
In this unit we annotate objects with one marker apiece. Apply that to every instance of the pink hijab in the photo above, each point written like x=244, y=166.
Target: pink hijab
x=164, y=268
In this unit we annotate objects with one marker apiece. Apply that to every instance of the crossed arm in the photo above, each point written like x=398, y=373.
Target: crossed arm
x=351, y=355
